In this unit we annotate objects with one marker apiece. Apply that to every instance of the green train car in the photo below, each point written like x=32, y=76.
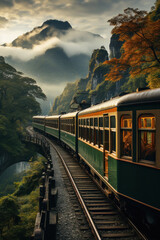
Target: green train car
x=119, y=142
x=39, y=123
x=52, y=126
x=68, y=130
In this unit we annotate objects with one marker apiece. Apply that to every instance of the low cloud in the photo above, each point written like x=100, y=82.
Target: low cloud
x=74, y=43
x=28, y=54
x=3, y=22
x=77, y=42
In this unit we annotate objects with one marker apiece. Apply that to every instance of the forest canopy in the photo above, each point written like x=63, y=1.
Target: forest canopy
x=18, y=103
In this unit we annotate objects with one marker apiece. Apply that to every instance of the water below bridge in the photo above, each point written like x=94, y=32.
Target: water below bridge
x=10, y=175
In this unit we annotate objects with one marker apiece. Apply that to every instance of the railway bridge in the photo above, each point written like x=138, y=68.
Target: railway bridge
x=33, y=143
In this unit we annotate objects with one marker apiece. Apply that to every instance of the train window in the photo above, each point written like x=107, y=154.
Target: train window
x=106, y=140
x=87, y=121
x=100, y=138
x=91, y=121
x=80, y=132
x=101, y=132
x=96, y=136
x=95, y=122
x=113, y=133
x=91, y=140
x=87, y=134
x=113, y=141
x=101, y=122
x=82, y=121
x=113, y=121
x=106, y=121
x=147, y=137
x=126, y=135
x=106, y=132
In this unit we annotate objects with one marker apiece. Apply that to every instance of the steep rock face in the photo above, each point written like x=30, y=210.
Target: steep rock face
x=79, y=91
x=58, y=24
x=115, y=46
x=93, y=89
x=98, y=57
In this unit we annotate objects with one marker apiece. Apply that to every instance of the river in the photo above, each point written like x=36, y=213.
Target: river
x=12, y=174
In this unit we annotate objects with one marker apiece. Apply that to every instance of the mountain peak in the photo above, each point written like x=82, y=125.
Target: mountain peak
x=50, y=28
x=58, y=24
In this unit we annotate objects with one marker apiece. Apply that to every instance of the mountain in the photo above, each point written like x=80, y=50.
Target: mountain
x=92, y=89
x=53, y=54
x=48, y=29
x=82, y=92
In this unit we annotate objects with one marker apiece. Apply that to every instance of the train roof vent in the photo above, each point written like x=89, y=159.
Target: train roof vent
x=142, y=89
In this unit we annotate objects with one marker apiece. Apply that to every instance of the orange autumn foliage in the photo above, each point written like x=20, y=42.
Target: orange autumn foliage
x=141, y=48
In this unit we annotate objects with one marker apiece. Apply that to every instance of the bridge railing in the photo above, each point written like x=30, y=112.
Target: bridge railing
x=38, y=140
x=47, y=218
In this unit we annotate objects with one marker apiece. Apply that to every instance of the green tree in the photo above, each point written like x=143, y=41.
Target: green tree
x=9, y=211
x=18, y=103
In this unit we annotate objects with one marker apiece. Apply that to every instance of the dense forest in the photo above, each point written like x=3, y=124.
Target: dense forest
x=18, y=210
x=18, y=103
x=134, y=62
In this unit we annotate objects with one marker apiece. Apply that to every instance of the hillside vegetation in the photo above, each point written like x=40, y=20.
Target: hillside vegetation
x=140, y=52
x=18, y=210
x=18, y=104
x=134, y=62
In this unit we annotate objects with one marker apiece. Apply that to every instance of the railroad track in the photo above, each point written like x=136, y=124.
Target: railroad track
x=105, y=220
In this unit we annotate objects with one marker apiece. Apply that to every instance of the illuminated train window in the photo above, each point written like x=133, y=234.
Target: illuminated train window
x=95, y=131
x=106, y=132
x=147, y=137
x=68, y=125
x=101, y=131
x=126, y=135
x=113, y=133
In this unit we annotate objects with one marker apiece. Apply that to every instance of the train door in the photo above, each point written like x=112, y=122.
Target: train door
x=106, y=143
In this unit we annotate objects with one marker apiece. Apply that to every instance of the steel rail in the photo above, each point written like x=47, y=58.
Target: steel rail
x=87, y=214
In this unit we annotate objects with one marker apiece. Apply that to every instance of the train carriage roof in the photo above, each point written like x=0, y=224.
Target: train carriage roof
x=39, y=117
x=52, y=117
x=69, y=115
x=143, y=97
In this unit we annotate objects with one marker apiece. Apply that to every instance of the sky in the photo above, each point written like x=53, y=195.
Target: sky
x=20, y=16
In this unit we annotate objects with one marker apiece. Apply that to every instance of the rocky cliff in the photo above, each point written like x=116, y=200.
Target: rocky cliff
x=115, y=46
x=80, y=93
x=93, y=89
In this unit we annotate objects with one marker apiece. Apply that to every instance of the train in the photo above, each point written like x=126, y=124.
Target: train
x=119, y=143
